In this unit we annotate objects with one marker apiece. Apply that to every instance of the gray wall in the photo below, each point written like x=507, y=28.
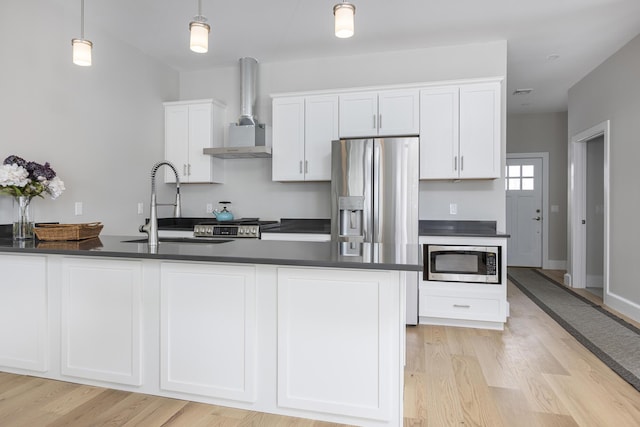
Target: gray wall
x=533, y=133
x=248, y=182
x=611, y=92
x=100, y=127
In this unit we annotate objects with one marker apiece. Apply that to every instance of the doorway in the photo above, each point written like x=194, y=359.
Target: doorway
x=526, y=180
x=589, y=209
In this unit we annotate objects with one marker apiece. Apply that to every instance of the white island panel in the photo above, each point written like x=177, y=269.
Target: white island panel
x=208, y=330
x=339, y=342
x=102, y=320
x=24, y=336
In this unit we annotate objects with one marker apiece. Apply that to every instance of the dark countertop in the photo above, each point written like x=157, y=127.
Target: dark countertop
x=300, y=225
x=249, y=251
x=459, y=228
x=426, y=227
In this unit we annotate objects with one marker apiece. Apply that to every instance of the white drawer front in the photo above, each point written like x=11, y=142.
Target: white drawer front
x=456, y=307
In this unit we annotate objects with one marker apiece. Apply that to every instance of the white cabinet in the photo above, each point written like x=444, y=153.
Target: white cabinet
x=460, y=132
x=478, y=305
x=190, y=127
x=303, y=128
x=297, y=237
x=208, y=330
x=389, y=112
x=24, y=335
x=338, y=342
x=102, y=318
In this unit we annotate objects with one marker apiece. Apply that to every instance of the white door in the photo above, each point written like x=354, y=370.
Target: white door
x=523, y=178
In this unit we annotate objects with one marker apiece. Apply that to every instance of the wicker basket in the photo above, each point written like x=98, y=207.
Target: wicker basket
x=71, y=245
x=58, y=232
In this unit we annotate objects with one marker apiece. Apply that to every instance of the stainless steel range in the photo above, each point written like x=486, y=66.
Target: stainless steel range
x=244, y=228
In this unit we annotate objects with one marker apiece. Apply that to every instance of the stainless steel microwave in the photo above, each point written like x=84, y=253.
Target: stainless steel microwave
x=462, y=263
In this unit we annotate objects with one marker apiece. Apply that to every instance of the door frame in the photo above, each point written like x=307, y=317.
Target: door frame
x=576, y=275
x=546, y=264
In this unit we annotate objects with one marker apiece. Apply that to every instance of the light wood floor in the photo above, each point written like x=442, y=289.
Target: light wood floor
x=531, y=374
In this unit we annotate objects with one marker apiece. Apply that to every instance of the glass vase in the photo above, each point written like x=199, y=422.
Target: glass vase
x=22, y=221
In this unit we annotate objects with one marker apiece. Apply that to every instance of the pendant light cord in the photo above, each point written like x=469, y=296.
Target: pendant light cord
x=82, y=19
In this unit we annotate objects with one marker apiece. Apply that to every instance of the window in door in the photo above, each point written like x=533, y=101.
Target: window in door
x=519, y=177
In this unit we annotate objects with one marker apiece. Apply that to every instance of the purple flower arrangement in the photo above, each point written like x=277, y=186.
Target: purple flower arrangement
x=19, y=177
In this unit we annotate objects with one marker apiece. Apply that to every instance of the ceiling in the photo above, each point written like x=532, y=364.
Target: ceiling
x=579, y=34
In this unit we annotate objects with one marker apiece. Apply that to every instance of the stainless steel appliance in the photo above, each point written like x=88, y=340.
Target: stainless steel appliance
x=374, y=197
x=209, y=228
x=471, y=264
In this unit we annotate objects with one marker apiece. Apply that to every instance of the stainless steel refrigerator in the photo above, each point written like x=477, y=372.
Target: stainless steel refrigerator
x=374, y=198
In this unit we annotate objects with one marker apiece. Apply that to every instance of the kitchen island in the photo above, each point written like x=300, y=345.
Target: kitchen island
x=292, y=328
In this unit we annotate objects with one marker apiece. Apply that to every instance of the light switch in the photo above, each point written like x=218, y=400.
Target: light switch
x=453, y=209
x=78, y=208
x=140, y=208
x=209, y=208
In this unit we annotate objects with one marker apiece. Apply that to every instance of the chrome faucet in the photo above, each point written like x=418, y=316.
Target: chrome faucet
x=151, y=228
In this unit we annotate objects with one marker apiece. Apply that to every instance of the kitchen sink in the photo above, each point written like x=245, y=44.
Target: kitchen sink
x=180, y=240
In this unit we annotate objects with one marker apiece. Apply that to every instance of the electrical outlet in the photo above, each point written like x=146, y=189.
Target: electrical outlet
x=453, y=209
x=78, y=208
x=140, y=208
x=209, y=208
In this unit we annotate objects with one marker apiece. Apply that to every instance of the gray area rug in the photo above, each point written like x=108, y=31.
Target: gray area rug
x=611, y=339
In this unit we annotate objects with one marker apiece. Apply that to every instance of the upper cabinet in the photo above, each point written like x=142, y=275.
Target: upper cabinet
x=191, y=126
x=460, y=132
x=383, y=113
x=303, y=128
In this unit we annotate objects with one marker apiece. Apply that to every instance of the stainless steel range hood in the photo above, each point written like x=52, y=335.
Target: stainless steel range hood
x=247, y=136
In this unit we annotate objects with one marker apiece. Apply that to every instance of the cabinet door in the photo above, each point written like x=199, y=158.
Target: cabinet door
x=338, y=342
x=321, y=127
x=398, y=112
x=102, y=320
x=480, y=139
x=288, y=139
x=24, y=335
x=439, y=133
x=199, y=166
x=176, y=140
x=359, y=114
x=208, y=330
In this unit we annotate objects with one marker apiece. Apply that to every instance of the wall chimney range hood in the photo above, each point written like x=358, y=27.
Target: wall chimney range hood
x=247, y=136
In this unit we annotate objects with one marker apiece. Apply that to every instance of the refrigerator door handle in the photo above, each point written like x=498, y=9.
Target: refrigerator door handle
x=375, y=230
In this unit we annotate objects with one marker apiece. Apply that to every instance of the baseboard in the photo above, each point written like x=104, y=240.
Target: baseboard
x=555, y=264
x=623, y=306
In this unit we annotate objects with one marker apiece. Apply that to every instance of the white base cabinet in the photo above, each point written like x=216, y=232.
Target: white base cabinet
x=339, y=342
x=319, y=343
x=473, y=305
x=208, y=330
x=102, y=320
x=24, y=308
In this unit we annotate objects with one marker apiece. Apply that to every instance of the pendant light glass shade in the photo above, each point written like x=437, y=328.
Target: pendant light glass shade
x=81, y=48
x=344, y=13
x=81, y=52
x=199, y=41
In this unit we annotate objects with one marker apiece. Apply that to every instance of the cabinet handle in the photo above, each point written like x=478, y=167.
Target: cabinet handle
x=184, y=169
x=455, y=163
x=374, y=121
x=306, y=166
x=461, y=163
x=189, y=169
x=300, y=166
x=380, y=121
x=461, y=305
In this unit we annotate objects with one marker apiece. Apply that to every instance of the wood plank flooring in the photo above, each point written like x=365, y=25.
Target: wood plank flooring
x=531, y=374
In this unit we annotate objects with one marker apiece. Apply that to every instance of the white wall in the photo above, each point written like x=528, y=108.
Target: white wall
x=248, y=184
x=100, y=127
x=546, y=132
x=611, y=92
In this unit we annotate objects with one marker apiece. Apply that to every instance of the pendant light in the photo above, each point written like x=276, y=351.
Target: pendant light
x=344, y=13
x=81, y=47
x=199, y=40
